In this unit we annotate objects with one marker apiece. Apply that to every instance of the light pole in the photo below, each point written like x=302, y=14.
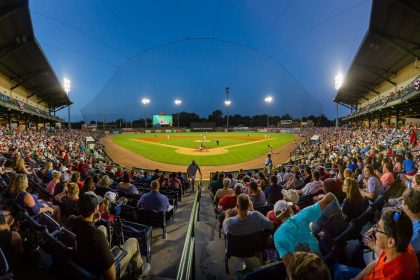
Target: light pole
x=338, y=82
x=227, y=103
x=145, y=101
x=67, y=87
x=268, y=100
x=177, y=103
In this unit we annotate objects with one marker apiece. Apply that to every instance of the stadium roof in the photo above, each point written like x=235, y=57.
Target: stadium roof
x=391, y=43
x=22, y=59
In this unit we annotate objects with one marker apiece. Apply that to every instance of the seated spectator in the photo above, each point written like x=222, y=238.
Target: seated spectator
x=48, y=171
x=244, y=222
x=70, y=197
x=31, y=202
x=21, y=168
x=105, y=182
x=154, y=200
x=353, y=165
x=174, y=182
x=294, y=233
x=88, y=185
x=218, y=184
x=312, y=187
x=331, y=222
x=64, y=180
x=411, y=206
x=307, y=266
x=354, y=204
x=273, y=191
x=256, y=195
x=398, y=165
x=372, y=183
x=75, y=178
x=226, y=190
x=307, y=175
x=397, y=259
x=292, y=198
x=54, y=181
x=262, y=181
x=93, y=253
x=408, y=164
x=348, y=173
x=10, y=241
x=126, y=186
x=387, y=178
x=229, y=201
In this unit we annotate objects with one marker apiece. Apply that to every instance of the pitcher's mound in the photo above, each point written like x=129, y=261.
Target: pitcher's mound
x=205, y=152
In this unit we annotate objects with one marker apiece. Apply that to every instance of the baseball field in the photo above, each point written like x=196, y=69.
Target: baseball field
x=209, y=149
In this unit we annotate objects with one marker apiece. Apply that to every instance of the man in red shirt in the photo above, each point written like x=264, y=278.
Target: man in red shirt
x=397, y=259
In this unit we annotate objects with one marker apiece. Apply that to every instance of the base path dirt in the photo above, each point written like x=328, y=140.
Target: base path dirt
x=130, y=159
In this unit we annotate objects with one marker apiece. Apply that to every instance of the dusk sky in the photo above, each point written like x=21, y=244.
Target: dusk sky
x=117, y=52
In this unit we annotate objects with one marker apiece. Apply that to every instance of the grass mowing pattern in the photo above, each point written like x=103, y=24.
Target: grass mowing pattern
x=235, y=155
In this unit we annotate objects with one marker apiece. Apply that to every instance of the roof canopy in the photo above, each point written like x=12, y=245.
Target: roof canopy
x=21, y=57
x=391, y=43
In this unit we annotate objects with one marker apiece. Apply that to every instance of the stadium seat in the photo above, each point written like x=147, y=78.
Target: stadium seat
x=264, y=209
x=74, y=271
x=152, y=218
x=275, y=270
x=143, y=234
x=245, y=246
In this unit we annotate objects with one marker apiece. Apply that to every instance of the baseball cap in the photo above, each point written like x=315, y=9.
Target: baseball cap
x=65, y=177
x=281, y=207
x=63, y=169
x=291, y=195
x=98, y=197
x=111, y=196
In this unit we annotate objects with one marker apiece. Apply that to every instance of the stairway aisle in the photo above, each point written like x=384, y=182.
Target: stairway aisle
x=210, y=249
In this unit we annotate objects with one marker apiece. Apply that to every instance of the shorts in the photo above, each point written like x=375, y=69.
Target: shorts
x=5, y=239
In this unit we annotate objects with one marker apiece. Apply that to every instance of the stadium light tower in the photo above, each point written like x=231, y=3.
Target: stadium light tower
x=145, y=102
x=227, y=103
x=339, y=78
x=268, y=100
x=67, y=87
x=178, y=103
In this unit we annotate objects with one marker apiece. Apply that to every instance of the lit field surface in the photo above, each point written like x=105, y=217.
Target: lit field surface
x=181, y=148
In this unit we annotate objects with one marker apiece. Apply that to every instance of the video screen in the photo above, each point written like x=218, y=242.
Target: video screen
x=162, y=120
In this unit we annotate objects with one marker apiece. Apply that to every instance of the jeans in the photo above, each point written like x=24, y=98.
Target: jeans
x=133, y=256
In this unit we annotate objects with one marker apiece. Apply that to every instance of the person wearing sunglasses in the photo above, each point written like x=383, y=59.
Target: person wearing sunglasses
x=397, y=258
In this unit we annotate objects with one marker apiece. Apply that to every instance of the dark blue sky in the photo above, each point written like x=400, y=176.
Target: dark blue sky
x=116, y=52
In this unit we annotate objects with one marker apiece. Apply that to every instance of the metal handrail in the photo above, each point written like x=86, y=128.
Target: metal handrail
x=186, y=269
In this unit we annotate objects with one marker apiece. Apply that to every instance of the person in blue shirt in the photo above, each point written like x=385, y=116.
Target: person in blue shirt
x=411, y=206
x=154, y=200
x=353, y=165
x=408, y=164
x=294, y=233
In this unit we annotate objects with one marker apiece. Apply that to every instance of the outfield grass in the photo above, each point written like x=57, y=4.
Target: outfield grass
x=234, y=155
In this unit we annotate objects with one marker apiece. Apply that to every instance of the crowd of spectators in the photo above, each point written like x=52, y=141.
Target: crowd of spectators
x=324, y=192
x=53, y=172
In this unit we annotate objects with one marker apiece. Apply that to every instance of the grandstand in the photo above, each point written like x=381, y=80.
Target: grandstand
x=382, y=85
x=346, y=202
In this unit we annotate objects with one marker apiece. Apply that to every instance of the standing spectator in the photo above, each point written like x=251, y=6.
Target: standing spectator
x=192, y=171
x=268, y=164
x=408, y=164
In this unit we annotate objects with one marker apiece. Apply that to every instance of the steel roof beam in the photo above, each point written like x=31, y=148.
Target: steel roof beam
x=391, y=40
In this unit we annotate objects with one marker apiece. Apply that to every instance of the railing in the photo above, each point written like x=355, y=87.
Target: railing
x=186, y=269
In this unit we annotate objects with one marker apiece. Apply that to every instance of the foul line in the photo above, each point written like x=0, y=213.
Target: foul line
x=178, y=147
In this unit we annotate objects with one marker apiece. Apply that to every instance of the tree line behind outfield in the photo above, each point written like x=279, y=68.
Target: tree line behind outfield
x=219, y=118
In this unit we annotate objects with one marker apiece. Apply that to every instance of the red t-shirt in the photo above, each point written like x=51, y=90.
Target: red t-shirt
x=405, y=266
x=228, y=202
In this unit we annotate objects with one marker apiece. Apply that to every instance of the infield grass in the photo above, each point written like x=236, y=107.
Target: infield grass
x=252, y=146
